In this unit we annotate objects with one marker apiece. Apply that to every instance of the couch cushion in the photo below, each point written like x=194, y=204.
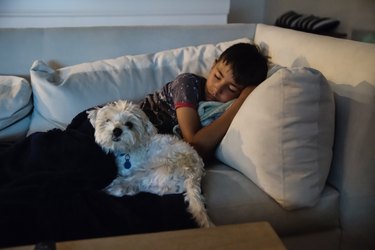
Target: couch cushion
x=61, y=94
x=16, y=131
x=15, y=102
x=232, y=198
x=282, y=137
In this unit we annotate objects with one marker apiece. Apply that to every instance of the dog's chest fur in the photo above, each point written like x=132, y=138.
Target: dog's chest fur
x=153, y=166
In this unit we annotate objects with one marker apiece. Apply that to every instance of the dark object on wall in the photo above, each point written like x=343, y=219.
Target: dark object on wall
x=309, y=23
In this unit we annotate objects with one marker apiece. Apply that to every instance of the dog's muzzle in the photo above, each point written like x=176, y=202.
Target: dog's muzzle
x=116, y=133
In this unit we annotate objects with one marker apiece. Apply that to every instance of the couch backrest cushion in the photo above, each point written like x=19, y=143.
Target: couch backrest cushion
x=61, y=94
x=282, y=136
x=74, y=45
x=15, y=104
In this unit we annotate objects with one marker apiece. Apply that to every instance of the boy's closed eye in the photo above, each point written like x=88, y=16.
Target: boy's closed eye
x=233, y=88
x=218, y=75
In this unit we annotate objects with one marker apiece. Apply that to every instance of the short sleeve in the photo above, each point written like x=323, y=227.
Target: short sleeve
x=186, y=90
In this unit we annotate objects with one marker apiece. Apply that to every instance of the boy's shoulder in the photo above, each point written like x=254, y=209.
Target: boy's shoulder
x=190, y=76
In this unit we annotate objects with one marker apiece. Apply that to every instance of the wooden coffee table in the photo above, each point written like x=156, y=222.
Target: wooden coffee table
x=258, y=235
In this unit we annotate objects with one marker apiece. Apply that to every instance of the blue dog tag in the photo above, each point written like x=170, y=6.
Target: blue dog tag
x=127, y=163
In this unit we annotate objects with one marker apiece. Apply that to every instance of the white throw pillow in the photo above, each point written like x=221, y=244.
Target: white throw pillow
x=15, y=100
x=61, y=94
x=282, y=136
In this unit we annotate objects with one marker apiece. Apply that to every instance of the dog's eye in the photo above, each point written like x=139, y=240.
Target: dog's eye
x=129, y=125
x=108, y=120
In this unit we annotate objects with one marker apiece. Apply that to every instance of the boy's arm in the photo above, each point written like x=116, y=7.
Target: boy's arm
x=205, y=139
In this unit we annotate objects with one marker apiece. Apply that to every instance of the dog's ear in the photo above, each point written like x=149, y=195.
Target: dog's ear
x=148, y=125
x=91, y=115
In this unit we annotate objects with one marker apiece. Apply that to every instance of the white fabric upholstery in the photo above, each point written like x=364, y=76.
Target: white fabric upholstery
x=16, y=131
x=238, y=200
x=15, y=101
x=282, y=136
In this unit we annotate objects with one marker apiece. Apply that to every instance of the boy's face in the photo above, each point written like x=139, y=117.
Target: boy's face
x=220, y=85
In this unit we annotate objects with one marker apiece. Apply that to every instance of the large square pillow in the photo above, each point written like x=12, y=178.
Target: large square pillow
x=282, y=136
x=61, y=94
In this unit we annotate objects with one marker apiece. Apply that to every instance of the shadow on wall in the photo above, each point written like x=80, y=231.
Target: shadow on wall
x=354, y=133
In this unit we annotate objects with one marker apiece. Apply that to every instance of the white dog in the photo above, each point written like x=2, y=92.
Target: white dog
x=147, y=161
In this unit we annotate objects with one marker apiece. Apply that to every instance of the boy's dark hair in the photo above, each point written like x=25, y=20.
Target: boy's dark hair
x=248, y=65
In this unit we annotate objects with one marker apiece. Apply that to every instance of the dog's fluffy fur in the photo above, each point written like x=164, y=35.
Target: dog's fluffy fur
x=147, y=161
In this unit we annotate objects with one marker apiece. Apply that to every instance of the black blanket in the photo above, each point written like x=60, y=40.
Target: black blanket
x=51, y=190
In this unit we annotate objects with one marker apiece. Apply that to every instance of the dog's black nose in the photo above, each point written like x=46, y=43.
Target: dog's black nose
x=117, y=132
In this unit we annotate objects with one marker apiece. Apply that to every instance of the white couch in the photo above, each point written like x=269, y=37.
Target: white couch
x=343, y=216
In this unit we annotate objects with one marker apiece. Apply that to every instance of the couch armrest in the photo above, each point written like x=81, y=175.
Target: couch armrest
x=349, y=66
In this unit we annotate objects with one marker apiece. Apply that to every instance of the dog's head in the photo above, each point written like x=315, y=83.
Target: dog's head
x=121, y=126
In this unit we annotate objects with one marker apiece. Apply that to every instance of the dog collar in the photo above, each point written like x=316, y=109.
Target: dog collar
x=127, y=163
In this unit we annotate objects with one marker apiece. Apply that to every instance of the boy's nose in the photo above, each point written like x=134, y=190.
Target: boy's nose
x=217, y=90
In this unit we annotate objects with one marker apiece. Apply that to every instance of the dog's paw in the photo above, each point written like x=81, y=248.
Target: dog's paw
x=210, y=224
x=130, y=190
x=115, y=190
x=205, y=221
x=119, y=188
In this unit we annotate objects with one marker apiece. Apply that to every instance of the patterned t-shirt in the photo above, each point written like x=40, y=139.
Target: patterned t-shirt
x=187, y=90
